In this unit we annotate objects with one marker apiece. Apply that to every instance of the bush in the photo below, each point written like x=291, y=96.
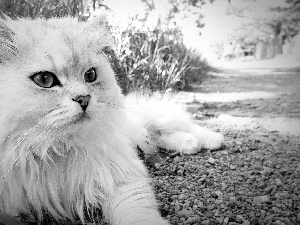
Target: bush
x=156, y=59
x=45, y=8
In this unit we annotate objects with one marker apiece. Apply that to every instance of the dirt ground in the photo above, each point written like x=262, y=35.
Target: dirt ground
x=252, y=97
x=255, y=178
x=282, y=85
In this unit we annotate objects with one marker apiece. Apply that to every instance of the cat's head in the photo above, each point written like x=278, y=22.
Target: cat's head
x=54, y=77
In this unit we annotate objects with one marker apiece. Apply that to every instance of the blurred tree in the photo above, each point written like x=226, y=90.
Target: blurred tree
x=291, y=17
x=268, y=24
x=180, y=9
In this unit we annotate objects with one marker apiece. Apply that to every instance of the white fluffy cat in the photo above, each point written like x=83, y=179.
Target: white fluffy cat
x=68, y=136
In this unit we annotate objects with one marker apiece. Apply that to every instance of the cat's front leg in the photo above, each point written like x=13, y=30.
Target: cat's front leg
x=209, y=139
x=134, y=204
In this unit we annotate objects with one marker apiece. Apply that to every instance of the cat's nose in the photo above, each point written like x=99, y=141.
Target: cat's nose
x=83, y=101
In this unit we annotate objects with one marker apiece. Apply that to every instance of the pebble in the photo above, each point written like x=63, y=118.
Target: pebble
x=225, y=221
x=211, y=160
x=232, y=167
x=177, y=159
x=219, y=194
x=200, y=204
x=239, y=219
x=263, y=198
x=203, y=173
x=210, y=207
x=192, y=220
x=278, y=182
x=253, y=146
x=282, y=195
x=269, y=189
x=185, y=212
x=183, y=196
x=246, y=222
x=205, y=222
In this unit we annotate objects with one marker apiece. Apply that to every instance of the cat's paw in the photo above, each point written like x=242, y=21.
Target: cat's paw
x=183, y=142
x=213, y=141
x=191, y=145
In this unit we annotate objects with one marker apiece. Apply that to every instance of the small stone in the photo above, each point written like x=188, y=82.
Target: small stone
x=269, y=189
x=192, y=220
x=240, y=178
x=177, y=159
x=203, y=173
x=210, y=207
x=295, y=197
x=225, y=221
x=200, y=204
x=159, y=195
x=185, y=212
x=282, y=195
x=171, y=211
x=278, y=182
x=232, y=167
x=254, y=221
x=263, y=198
x=180, y=172
x=214, y=195
x=219, y=194
x=246, y=222
x=261, y=184
x=174, y=197
x=182, y=197
x=211, y=160
x=253, y=146
x=205, y=222
x=239, y=219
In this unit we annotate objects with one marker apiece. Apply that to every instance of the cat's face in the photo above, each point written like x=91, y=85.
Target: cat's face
x=54, y=76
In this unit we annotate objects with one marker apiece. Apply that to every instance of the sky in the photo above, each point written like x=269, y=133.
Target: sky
x=218, y=24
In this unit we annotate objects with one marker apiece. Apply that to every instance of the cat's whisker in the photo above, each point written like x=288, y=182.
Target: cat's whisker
x=20, y=140
x=17, y=160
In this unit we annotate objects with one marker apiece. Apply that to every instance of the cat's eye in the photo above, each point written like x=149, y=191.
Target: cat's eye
x=45, y=79
x=90, y=75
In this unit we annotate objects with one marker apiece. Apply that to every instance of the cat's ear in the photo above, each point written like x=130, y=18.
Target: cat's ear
x=100, y=20
x=5, y=32
x=100, y=26
x=7, y=45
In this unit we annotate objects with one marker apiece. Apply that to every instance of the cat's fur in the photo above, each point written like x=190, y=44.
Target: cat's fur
x=53, y=162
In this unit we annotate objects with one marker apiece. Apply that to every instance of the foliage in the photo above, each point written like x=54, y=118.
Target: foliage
x=291, y=17
x=266, y=21
x=156, y=59
x=45, y=8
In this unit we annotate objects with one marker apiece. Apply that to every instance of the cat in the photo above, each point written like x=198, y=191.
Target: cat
x=68, y=137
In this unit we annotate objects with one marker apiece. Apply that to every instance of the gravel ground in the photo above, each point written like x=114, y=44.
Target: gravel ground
x=253, y=179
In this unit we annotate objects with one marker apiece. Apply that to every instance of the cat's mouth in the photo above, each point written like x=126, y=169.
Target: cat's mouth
x=81, y=118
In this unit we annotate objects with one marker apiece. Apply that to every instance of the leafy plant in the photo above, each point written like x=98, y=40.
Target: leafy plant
x=44, y=8
x=155, y=59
